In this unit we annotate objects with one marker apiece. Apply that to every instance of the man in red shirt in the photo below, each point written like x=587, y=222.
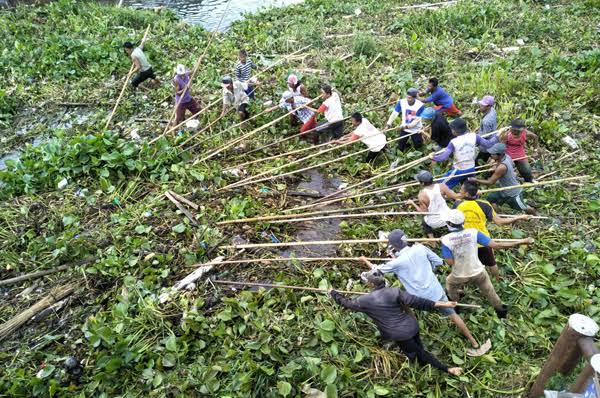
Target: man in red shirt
x=515, y=140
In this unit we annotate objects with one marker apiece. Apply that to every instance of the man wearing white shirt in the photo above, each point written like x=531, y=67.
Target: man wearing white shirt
x=234, y=94
x=331, y=108
x=409, y=109
x=368, y=134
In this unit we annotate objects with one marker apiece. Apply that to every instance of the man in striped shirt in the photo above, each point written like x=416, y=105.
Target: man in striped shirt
x=243, y=71
x=289, y=101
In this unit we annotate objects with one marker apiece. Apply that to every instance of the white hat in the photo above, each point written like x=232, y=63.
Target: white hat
x=454, y=216
x=180, y=69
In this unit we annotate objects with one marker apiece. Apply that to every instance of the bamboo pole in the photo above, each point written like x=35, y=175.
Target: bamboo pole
x=271, y=109
x=535, y=184
x=311, y=130
x=55, y=295
x=360, y=215
x=335, y=242
x=196, y=67
x=283, y=259
x=184, y=200
x=271, y=285
x=185, y=211
x=39, y=274
x=313, y=147
x=125, y=84
x=253, y=132
x=427, y=5
x=207, y=107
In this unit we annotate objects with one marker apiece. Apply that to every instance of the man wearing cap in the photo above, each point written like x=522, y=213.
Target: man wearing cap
x=183, y=102
x=410, y=108
x=462, y=147
x=234, y=94
x=387, y=307
x=414, y=266
x=477, y=214
x=488, y=124
x=441, y=99
x=432, y=200
x=290, y=101
x=504, y=174
x=141, y=64
x=459, y=250
x=368, y=134
x=515, y=140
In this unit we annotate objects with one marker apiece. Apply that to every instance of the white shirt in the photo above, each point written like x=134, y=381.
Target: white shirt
x=139, y=54
x=409, y=114
x=238, y=96
x=369, y=135
x=464, y=151
x=463, y=245
x=334, y=108
x=437, y=204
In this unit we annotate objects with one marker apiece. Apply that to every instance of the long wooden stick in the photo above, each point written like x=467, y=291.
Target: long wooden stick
x=335, y=242
x=253, y=132
x=535, y=184
x=55, y=295
x=125, y=84
x=184, y=200
x=271, y=285
x=427, y=5
x=185, y=211
x=283, y=259
x=207, y=107
x=311, y=130
x=39, y=274
x=360, y=215
x=197, y=66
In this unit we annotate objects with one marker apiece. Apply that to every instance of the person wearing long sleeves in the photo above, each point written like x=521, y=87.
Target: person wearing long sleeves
x=414, y=266
x=386, y=306
x=462, y=148
x=409, y=109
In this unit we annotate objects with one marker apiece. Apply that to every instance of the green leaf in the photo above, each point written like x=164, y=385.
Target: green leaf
x=171, y=343
x=169, y=360
x=68, y=220
x=331, y=391
x=327, y=325
x=457, y=360
x=379, y=390
x=113, y=364
x=284, y=388
x=45, y=372
x=179, y=228
x=358, y=357
x=329, y=374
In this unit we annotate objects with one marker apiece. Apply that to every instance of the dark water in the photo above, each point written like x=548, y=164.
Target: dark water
x=208, y=12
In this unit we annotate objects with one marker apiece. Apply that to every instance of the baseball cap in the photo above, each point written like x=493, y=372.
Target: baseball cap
x=454, y=216
x=180, y=69
x=428, y=113
x=488, y=100
x=413, y=92
x=424, y=176
x=517, y=124
x=226, y=80
x=458, y=125
x=497, y=149
x=397, y=239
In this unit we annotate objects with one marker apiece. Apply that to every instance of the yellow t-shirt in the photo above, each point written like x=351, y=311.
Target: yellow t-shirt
x=477, y=214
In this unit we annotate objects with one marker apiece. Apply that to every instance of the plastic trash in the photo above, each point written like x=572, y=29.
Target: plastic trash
x=570, y=142
x=264, y=190
x=268, y=103
x=192, y=124
x=134, y=134
x=357, y=12
x=343, y=185
x=63, y=183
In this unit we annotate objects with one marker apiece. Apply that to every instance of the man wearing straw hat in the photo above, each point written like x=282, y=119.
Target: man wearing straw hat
x=504, y=174
x=187, y=102
x=459, y=250
x=386, y=306
x=234, y=94
x=414, y=266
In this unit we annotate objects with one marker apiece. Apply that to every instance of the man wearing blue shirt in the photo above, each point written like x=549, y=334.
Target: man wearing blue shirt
x=414, y=266
x=459, y=250
x=441, y=99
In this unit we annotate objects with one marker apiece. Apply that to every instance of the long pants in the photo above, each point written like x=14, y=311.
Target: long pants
x=481, y=280
x=524, y=169
x=417, y=140
x=413, y=349
x=192, y=106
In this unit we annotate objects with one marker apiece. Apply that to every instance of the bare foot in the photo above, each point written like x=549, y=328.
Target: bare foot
x=455, y=371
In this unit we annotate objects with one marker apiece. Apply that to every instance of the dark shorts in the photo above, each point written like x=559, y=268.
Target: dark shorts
x=336, y=129
x=243, y=108
x=142, y=77
x=437, y=232
x=486, y=256
x=515, y=202
x=371, y=156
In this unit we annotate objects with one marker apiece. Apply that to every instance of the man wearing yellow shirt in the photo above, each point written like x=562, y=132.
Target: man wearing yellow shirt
x=477, y=214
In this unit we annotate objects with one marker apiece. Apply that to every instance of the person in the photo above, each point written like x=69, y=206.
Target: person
x=234, y=94
x=515, y=140
x=331, y=108
x=296, y=86
x=368, y=134
x=243, y=72
x=440, y=130
x=141, y=65
x=185, y=102
x=477, y=214
x=462, y=147
x=441, y=99
x=387, y=308
x=290, y=101
x=504, y=174
x=489, y=123
x=410, y=108
x=459, y=250
x=432, y=200
x=414, y=266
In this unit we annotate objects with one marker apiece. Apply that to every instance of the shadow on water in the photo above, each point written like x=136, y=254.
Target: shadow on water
x=328, y=229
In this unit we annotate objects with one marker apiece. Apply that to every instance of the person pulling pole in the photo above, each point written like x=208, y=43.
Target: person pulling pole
x=331, y=108
x=180, y=82
x=410, y=108
x=290, y=101
x=386, y=306
x=141, y=64
x=234, y=94
x=368, y=134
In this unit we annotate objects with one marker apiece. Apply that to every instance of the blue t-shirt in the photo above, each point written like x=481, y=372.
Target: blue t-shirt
x=440, y=97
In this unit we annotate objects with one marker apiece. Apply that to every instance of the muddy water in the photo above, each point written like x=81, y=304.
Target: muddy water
x=317, y=230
